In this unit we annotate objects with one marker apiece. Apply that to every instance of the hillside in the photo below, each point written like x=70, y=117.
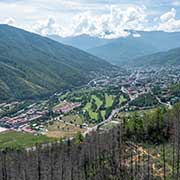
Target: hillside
x=121, y=50
x=171, y=57
x=31, y=65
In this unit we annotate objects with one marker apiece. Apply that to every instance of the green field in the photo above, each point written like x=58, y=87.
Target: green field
x=103, y=113
x=138, y=112
x=74, y=119
x=98, y=101
x=92, y=114
x=109, y=100
x=20, y=140
x=60, y=129
x=96, y=104
x=122, y=99
x=62, y=97
x=87, y=107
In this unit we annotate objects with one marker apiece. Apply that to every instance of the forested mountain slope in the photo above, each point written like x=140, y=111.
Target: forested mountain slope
x=120, y=50
x=31, y=65
x=171, y=57
x=137, y=44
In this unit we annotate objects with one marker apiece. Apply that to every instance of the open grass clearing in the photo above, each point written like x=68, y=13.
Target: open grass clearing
x=139, y=112
x=12, y=139
x=87, y=107
x=122, y=99
x=60, y=129
x=62, y=97
x=109, y=100
x=93, y=115
x=74, y=119
x=103, y=113
x=98, y=101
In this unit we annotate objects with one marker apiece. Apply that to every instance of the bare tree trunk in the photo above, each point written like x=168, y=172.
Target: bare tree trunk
x=148, y=165
x=164, y=162
x=173, y=165
x=132, y=177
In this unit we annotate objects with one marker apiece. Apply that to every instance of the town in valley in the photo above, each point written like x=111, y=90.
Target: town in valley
x=94, y=104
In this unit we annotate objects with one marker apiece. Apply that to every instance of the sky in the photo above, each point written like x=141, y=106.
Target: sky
x=102, y=18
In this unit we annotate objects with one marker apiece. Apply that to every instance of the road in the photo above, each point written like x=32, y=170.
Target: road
x=166, y=104
x=118, y=110
x=159, y=100
x=89, y=130
x=124, y=90
x=137, y=77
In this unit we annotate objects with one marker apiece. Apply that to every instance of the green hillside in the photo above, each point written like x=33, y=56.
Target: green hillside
x=121, y=51
x=171, y=57
x=33, y=66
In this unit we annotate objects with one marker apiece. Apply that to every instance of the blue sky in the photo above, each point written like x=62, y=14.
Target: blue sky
x=103, y=18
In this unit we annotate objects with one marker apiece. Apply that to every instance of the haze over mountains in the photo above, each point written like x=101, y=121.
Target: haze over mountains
x=83, y=41
x=32, y=65
x=120, y=51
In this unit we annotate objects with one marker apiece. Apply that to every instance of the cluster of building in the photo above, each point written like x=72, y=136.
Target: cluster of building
x=137, y=82
x=21, y=121
x=30, y=117
x=133, y=83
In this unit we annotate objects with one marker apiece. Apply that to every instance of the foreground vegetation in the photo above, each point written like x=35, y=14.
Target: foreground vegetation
x=153, y=141
x=15, y=140
x=147, y=141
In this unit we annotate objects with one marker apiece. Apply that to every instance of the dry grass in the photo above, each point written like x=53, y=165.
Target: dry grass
x=60, y=129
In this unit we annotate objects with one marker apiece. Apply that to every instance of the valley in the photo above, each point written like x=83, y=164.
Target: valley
x=90, y=90
x=91, y=106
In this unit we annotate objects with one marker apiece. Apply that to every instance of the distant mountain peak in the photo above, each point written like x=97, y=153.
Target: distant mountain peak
x=121, y=50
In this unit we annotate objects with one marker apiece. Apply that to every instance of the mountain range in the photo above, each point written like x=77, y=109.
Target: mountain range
x=33, y=66
x=83, y=41
x=122, y=50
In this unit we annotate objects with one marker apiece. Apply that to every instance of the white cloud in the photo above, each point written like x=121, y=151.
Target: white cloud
x=169, y=22
x=168, y=16
x=49, y=26
x=136, y=35
x=96, y=18
x=111, y=24
x=10, y=21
